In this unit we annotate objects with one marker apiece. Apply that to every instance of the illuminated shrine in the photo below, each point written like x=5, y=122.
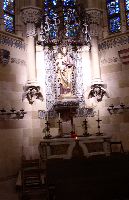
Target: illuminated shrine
x=64, y=82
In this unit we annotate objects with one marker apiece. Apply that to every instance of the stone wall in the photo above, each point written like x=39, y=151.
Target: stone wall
x=115, y=75
x=19, y=138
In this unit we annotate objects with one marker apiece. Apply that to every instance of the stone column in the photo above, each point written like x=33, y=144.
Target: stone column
x=31, y=17
x=1, y=16
x=95, y=33
x=123, y=16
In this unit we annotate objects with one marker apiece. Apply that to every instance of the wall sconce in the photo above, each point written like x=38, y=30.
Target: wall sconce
x=4, y=56
x=12, y=114
x=117, y=109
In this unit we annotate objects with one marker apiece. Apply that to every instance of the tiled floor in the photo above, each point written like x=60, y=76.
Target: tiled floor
x=8, y=190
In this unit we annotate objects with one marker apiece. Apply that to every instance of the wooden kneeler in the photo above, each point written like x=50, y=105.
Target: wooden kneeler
x=32, y=185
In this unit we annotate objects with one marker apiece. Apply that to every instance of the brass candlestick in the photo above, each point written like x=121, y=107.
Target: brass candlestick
x=47, y=132
x=60, y=128
x=85, y=122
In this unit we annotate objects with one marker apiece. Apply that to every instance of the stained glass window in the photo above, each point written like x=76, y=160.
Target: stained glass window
x=62, y=12
x=69, y=2
x=51, y=15
x=114, y=20
x=70, y=18
x=127, y=11
x=127, y=5
x=9, y=15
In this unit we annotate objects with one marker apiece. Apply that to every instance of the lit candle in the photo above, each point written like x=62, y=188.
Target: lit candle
x=59, y=116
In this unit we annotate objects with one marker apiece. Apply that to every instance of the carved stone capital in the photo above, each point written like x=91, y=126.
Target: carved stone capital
x=95, y=20
x=32, y=92
x=31, y=14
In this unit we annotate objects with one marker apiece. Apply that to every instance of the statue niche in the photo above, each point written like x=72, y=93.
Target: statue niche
x=65, y=70
x=67, y=101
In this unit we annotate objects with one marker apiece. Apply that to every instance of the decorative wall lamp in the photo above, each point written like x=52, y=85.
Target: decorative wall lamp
x=12, y=114
x=4, y=56
x=117, y=109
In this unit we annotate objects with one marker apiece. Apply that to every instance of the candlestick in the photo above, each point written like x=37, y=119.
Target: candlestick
x=47, y=116
x=85, y=122
x=59, y=116
x=47, y=132
x=60, y=128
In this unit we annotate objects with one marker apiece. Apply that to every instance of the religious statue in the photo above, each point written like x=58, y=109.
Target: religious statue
x=65, y=74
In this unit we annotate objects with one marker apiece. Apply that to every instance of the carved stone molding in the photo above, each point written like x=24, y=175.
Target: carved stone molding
x=32, y=92
x=118, y=41
x=31, y=14
x=4, y=56
x=108, y=61
x=95, y=20
x=18, y=61
x=8, y=40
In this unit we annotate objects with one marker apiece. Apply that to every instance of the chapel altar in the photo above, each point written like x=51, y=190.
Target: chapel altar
x=80, y=146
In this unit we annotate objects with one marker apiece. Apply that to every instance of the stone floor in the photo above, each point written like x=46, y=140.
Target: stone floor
x=8, y=190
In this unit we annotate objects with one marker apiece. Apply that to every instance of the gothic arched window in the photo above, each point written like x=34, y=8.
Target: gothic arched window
x=114, y=20
x=9, y=15
x=127, y=11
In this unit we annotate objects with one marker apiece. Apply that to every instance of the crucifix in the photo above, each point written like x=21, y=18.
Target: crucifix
x=98, y=121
